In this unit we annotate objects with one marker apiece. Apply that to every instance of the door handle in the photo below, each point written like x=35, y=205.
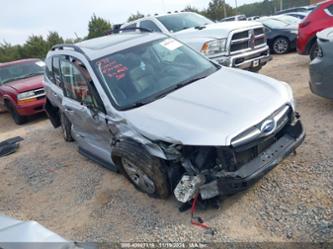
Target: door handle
x=54, y=94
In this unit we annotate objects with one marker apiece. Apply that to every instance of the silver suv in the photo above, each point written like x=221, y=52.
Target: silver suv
x=233, y=44
x=167, y=117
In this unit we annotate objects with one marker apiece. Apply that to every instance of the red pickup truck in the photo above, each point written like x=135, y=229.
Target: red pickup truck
x=21, y=88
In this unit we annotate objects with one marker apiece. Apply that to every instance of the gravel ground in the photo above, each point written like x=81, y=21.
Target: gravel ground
x=48, y=181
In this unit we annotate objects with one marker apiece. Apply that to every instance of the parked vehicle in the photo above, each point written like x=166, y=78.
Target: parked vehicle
x=292, y=21
x=299, y=15
x=252, y=18
x=234, y=18
x=297, y=9
x=21, y=88
x=321, y=73
x=281, y=37
x=148, y=105
x=234, y=44
x=319, y=19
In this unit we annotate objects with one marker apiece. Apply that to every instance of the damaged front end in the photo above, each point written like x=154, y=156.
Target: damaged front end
x=225, y=170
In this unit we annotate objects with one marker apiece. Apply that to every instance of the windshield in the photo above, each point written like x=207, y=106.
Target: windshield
x=273, y=23
x=144, y=73
x=177, y=22
x=20, y=71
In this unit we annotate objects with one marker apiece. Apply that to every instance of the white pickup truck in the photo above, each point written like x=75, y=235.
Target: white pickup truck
x=240, y=44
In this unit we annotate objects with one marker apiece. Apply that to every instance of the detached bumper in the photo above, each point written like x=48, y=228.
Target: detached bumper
x=254, y=170
x=246, y=60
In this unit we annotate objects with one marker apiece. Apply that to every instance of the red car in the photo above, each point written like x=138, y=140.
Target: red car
x=21, y=88
x=320, y=18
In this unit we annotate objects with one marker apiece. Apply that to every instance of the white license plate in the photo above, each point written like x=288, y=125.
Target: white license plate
x=256, y=63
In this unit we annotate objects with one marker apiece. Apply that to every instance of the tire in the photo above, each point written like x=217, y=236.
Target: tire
x=314, y=51
x=66, y=127
x=18, y=119
x=146, y=172
x=281, y=45
x=255, y=69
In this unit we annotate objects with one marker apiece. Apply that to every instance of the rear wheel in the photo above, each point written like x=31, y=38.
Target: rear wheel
x=281, y=45
x=66, y=127
x=147, y=173
x=18, y=119
x=314, y=50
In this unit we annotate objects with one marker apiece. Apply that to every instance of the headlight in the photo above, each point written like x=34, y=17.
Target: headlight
x=25, y=95
x=289, y=93
x=214, y=47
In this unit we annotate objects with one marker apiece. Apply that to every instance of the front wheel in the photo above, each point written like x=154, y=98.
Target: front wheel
x=281, y=45
x=314, y=50
x=147, y=173
x=66, y=127
x=18, y=119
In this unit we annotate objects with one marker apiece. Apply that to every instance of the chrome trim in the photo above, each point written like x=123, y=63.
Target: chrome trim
x=280, y=118
x=35, y=96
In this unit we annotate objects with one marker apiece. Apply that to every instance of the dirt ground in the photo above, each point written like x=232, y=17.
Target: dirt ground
x=47, y=180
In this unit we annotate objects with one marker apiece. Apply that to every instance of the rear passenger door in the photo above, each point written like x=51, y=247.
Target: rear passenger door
x=84, y=108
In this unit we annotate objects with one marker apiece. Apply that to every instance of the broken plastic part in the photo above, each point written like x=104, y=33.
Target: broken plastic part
x=209, y=190
x=188, y=186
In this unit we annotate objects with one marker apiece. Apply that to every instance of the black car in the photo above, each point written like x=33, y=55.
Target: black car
x=281, y=36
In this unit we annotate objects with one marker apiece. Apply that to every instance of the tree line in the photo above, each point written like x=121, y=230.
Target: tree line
x=36, y=46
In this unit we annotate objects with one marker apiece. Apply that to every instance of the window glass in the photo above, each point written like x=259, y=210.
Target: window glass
x=142, y=73
x=147, y=24
x=75, y=83
x=129, y=27
x=21, y=71
x=56, y=71
x=177, y=22
x=330, y=9
x=48, y=69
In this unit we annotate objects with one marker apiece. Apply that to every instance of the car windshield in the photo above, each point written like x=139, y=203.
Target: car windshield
x=177, y=22
x=144, y=73
x=273, y=23
x=20, y=71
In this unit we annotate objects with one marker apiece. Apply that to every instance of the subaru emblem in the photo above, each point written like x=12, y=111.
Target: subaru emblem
x=268, y=127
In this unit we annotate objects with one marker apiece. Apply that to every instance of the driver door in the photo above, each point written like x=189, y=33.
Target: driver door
x=85, y=110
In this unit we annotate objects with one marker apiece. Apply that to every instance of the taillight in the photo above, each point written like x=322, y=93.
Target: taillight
x=304, y=24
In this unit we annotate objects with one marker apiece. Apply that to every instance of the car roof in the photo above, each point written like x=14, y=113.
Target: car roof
x=99, y=47
x=4, y=64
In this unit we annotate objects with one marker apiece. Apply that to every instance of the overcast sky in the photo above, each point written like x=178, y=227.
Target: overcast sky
x=19, y=18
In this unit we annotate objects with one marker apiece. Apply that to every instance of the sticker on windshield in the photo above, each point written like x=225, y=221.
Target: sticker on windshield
x=40, y=63
x=171, y=44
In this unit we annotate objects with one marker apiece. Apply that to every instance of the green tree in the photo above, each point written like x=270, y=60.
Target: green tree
x=53, y=38
x=9, y=52
x=190, y=8
x=98, y=27
x=217, y=9
x=134, y=17
x=35, y=47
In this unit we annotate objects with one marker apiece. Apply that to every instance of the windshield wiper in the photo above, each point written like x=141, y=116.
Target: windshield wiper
x=21, y=77
x=31, y=74
x=200, y=27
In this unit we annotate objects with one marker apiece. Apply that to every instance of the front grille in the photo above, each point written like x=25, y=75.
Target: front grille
x=235, y=157
x=39, y=91
x=247, y=40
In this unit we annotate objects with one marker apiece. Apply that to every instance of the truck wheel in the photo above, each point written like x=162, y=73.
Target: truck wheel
x=18, y=119
x=281, y=45
x=255, y=69
x=147, y=173
x=66, y=127
x=314, y=51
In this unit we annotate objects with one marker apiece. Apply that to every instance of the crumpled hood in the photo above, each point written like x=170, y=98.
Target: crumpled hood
x=27, y=84
x=215, y=30
x=326, y=34
x=210, y=111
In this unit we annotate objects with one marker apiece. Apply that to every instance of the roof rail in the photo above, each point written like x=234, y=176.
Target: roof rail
x=63, y=46
x=72, y=46
x=136, y=28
